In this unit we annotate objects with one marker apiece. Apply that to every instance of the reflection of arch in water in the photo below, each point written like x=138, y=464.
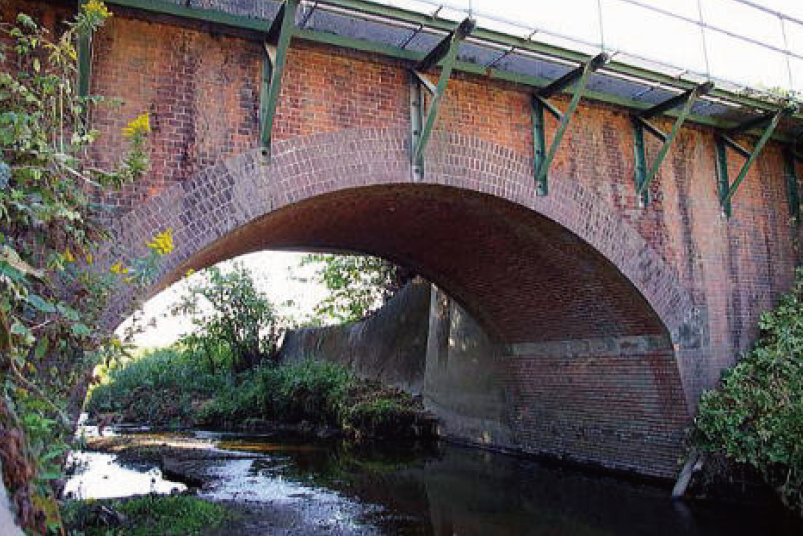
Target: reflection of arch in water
x=532, y=270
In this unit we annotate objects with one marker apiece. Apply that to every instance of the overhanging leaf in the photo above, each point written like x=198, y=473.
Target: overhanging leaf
x=12, y=258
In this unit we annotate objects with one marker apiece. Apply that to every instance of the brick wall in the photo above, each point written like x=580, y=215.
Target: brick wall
x=621, y=410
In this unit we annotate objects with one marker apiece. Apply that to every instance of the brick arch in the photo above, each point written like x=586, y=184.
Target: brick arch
x=211, y=212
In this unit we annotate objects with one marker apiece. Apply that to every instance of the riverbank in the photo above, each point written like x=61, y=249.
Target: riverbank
x=165, y=388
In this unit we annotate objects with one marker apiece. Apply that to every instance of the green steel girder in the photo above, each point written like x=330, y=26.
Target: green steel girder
x=644, y=175
x=274, y=54
x=542, y=158
x=241, y=23
x=791, y=158
x=445, y=53
x=84, y=60
x=725, y=188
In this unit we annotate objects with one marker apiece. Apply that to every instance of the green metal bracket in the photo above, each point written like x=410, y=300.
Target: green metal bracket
x=84, y=60
x=791, y=158
x=422, y=123
x=542, y=158
x=725, y=189
x=643, y=174
x=274, y=54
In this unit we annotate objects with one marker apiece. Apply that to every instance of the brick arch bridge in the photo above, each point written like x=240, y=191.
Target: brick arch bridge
x=563, y=274
x=600, y=320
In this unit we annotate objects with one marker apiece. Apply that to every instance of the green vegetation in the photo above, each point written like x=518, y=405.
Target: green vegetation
x=160, y=388
x=51, y=294
x=311, y=391
x=169, y=387
x=756, y=415
x=358, y=285
x=225, y=374
x=175, y=515
x=236, y=324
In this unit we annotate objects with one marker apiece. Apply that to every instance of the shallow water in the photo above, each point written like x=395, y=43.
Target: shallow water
x=447, y=490
x=101, y=476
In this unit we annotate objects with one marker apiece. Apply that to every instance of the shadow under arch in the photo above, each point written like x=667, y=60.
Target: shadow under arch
x=531, y=269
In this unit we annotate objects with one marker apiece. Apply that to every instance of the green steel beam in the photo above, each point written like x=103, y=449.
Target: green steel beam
x=572, y=76
x=727, y=190
x=539, y=141
x=578, y=77
x=84, y=61
x=644, y=176
x=553, y=111
x=733, y=144
x=792, y=190
x=274, y=55
x=747, y=126
x=679, y=100
x=445, y=53
x=446, y=45
x=424, y=81
x=640, y=168
x=256, y=27
x=649, y=127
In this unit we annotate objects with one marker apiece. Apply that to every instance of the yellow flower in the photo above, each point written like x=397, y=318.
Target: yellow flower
x=96, y=8
x=138, y=126
x=89, y=258
x=163, y=242
x=189, y=272
x=68, y=256
x=119, y=269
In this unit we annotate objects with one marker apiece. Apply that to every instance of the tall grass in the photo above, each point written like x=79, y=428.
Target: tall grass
x=169, y=387
x=162, y=387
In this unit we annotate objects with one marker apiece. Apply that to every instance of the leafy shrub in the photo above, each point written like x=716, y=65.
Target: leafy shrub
x=756, y=415
x=167, y=387
x=162, y=387
x=310, y=391
x=234, y=320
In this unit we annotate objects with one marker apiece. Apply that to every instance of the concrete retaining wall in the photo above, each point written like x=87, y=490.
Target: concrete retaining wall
x=389, y=346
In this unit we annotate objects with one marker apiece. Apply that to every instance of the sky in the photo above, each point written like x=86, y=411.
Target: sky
x=277, y=274
x=636, y=29
x=625, y=27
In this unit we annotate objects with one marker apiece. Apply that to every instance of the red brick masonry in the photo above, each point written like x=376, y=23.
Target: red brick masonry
x=582, y=263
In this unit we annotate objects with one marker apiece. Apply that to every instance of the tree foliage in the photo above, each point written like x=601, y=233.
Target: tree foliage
x=51, y=295
x=235, y=323
x=756, y=415
x=358, y=285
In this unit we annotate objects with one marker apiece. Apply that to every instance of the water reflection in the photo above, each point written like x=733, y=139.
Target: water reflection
x=459, y=491
x=439, y=490
x=100, y=476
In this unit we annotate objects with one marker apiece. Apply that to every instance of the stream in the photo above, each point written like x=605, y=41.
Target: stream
x=297, y=487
